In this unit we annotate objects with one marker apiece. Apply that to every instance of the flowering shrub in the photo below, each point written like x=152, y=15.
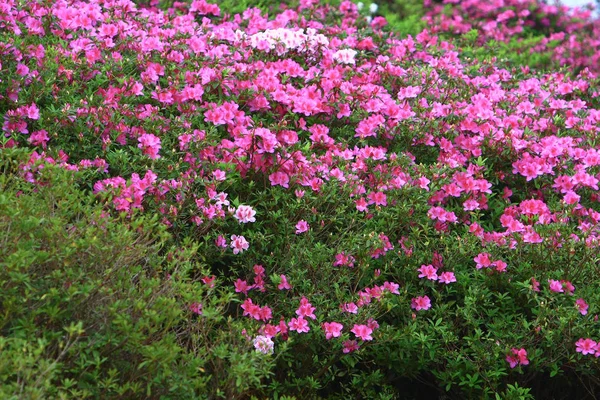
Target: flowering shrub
x=339, y=209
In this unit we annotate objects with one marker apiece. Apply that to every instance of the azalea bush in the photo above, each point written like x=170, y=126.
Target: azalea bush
x=297, y=201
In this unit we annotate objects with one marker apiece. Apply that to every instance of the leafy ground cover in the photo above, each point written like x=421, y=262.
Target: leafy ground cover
x=299, y=200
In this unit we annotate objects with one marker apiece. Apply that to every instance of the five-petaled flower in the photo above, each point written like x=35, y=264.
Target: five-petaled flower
x=239, y=244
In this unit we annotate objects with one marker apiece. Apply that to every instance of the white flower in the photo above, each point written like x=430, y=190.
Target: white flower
x=245, y=214
x=345, y=56
x=360, y=5
x=373, y=8
x=239, y=244
x=263, y=344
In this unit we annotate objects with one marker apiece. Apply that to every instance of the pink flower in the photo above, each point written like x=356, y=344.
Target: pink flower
x=209, y=281
x=447, y=277
x=420, y=303
x=196, y=308
x=582, y=306
x=586, y=346
x=571, y=198
x=361, y=204
x=33, y=112
x=429, y=272
x=518, y=357
x=535, y=285
x=284, y=285
x=301, y=227
x=39, y=138
x=500, y=265
x=299, y=325
x=483, y=260
x=344, y=56
x=219, y=175
x=150, y=145
x=221, y=241
x=378, y=198
x=362, y=332
x=372, y=324
x=279, y=178
x=245, y=214
x=350, y=346
x=350, y=308
x=241, y=286
x=332, y=329
x=239, y=244
x=555, y=286
x=568, y=286
x=263, y=344
x=306, y=309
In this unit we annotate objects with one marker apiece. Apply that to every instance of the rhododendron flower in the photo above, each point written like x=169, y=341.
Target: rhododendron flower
x=535, y=285
x=345, y=56
x=428, y=271
x=568, y=286
x=362, y=332
x=343, y=259
x=332, y=329
x=372, y=323
x=241, y=286
x=39, y=138
x=350, y=346
x=219, y=175
x=420, y=303
x=245, y=214
x=150, y=145
x=555, y=286
x=483, y=260
x=306, y=309
x=378, y=198
x=361, y=204
x=586, y=346
x=447, y=277
x=284, y=285
x=221, y=241
x=239, y=244
x=518, y=357
x=301, y=227
x=571, y=198
x=350, y=308
x=582, y=306
x=263, y=344
x=279, y=178
x=500, y=265
x=299, y=325
x=196, y=308
x=391, y=287
x=209, y=281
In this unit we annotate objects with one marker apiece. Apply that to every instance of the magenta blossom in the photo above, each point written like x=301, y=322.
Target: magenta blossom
x=518, y=357
x=447, y=277
x=332, y=329
x=362, y=332
x=301, y=227
x=420, y=303
x=245, y=214
x=582, y=306
x=239, y=244
x=586, y=346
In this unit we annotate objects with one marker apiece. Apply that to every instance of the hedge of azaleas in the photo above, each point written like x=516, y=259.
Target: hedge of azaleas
x=371, y=202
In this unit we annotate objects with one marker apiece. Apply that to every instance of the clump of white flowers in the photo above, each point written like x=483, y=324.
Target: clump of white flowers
x=263, y=344
x=281, y=40
x=345, y=56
